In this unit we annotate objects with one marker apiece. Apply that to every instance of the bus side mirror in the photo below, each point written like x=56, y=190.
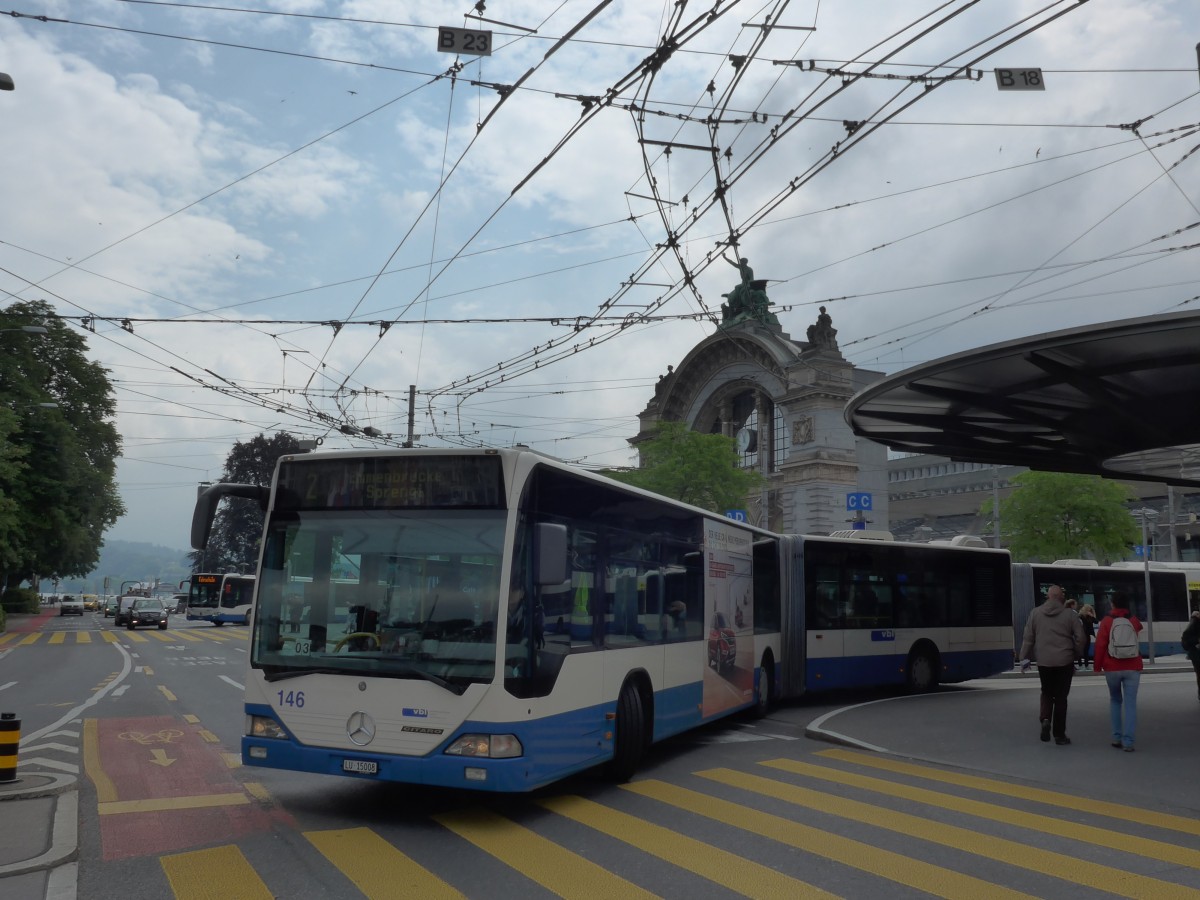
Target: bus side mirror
x=550, y=553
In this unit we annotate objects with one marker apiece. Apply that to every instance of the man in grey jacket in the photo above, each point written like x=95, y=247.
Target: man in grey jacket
x=1054, y=639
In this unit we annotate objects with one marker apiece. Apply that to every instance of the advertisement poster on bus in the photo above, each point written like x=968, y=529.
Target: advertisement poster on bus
x=729, y=617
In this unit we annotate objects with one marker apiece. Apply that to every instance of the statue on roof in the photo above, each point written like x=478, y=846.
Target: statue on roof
x=822, y=334
x=748, y=300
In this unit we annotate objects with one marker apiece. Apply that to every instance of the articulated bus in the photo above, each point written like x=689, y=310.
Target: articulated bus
x=498, y=620
x=220, y=598
x=1089, y=583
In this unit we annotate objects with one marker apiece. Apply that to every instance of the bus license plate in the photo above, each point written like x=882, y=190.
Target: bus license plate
x=360, y=766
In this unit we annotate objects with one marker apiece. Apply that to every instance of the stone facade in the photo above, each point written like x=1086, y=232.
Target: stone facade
x=783, y=401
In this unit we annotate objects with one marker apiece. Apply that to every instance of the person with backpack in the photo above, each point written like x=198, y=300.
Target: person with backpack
x=1119, y=657
x=1054, y=639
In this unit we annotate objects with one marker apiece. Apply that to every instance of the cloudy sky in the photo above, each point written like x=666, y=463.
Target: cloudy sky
x=280, y=216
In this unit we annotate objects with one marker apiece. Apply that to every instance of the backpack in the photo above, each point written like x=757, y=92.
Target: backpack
x=1122, y=639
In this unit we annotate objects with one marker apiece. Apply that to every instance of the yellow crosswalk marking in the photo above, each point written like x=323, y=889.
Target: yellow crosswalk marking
x=162, y=636
x=720, y=866
x=214, y=874
x=553, y=867
x=5, y=638
x=376, y=867
x=83, y=637
x=58, y=637
x=892, y=866
x=994, y=786
x=110, y=637
x=1101, y=837
x=184, y=636
x=30, y=639
x=1059, y=865
x=137, y=638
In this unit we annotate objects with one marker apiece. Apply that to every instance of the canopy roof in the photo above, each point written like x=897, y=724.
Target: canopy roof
x=1120, y=400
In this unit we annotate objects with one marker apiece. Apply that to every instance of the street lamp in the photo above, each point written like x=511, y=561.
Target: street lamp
x=1147, y=516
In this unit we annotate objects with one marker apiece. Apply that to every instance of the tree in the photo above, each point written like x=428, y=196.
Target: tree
x=700, y=469
x=1054, y=515
x=234, y=541
x=59, y=463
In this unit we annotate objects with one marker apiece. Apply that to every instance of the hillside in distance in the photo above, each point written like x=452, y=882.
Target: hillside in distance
x=122, y=561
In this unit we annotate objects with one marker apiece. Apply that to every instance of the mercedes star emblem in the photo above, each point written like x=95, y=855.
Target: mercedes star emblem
x=360, y=728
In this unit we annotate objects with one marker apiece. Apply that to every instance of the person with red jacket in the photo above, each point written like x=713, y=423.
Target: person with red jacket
x=1123, y=673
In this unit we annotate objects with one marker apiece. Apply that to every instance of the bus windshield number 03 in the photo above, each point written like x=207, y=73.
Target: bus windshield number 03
x=464, y=40
x=491, y=595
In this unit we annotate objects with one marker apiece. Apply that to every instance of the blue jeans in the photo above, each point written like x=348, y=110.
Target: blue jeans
x=1126, y=683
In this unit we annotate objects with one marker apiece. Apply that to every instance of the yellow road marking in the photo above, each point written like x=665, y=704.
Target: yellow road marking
x=720, y=866
x=58, y=637
x=166, y=692
x=213, y=874
x=30, y=638
x=146, y=670
x=183, y=635
x=159, y=804
x=232, y=760
x=885, y=864
x=212, y=636
x=83, y=637
x=209, y=737
x=1101, y=837
x=376, y=867
x=191, y=720
x=1014, y=853
x=553, y=867
x=5, y=638
x=110, y=637
x=162, y=636
x=257, y=791
x=1052, y=798
x=106, y=791
x=137, y=638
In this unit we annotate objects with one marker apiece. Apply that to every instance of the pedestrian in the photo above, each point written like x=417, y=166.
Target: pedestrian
x=1191, y=644
x=1087, y=615
x=1119, y=657
x=1054, y=639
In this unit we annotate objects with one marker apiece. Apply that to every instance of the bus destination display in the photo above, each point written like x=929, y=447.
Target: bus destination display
x=391, y=482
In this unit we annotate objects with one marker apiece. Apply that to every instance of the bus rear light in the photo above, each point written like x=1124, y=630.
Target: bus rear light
x=264, y=727
x=257, y=752
x=491, y=746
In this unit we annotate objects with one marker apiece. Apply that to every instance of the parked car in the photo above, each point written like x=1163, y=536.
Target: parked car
x=71, y=606
x=146, y=611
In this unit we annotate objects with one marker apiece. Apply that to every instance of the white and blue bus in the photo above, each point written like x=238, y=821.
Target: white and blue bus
x=1087, y=582
x=221, y=598
x=496, y=619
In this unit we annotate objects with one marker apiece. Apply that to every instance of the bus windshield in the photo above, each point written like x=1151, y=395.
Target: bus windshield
x=405, y=594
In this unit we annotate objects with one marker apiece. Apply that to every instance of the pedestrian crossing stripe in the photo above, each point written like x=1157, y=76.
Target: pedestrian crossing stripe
x=1014, y=853
x=376, y=867
x=216, y=872
x=55, y=638
x=1016, y=791
x=719, y=866
x=555, y=868
x=1090, y=834
x=897, y=867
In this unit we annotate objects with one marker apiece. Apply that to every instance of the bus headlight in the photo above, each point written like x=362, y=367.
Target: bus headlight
x=491, y=746
x=264, y=727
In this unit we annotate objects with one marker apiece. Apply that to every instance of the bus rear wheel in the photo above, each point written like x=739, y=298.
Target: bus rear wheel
x=922, y=671
x=629, y=738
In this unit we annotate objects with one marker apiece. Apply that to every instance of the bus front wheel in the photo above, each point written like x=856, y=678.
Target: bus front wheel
x=922, y=671
x=630, y=734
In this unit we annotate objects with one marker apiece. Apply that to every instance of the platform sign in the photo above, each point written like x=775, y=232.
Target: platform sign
x=1020, y=80
x=858, y=500
x=464, y=40
x=738, y=515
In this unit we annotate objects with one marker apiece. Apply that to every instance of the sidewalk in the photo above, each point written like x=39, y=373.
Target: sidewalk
x=39, y=836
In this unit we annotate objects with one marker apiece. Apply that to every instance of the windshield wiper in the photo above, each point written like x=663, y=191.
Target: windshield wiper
x=282, y=674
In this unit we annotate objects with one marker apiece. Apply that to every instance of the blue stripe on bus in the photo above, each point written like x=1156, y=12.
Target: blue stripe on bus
x=555, y=746
x=873, y=671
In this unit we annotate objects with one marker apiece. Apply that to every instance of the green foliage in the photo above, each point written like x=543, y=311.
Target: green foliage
x=1054, y=515
x=237, y=528
x=701, y=469
x=58, y=491
x=21, y=600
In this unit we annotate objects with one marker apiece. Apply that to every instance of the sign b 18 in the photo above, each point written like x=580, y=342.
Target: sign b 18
x=1020, y=80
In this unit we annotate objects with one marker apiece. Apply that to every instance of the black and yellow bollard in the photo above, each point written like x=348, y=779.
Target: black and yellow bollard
x=10, y=740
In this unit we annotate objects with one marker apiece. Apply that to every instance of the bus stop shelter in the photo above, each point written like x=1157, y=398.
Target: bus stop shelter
x=1118, y=400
